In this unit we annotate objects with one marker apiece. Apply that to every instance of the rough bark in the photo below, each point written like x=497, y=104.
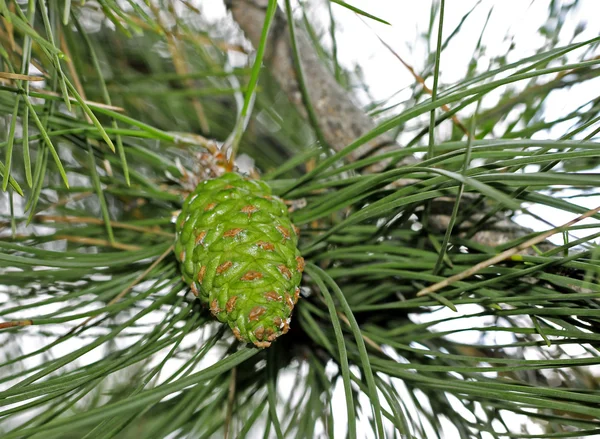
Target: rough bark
x=340, y=119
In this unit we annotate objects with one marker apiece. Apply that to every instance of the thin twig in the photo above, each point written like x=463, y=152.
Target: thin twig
x=42, y=93
x=16, y=323
x=71, y=66
x=91, y=220
x=18, y=76
x=505, y=254
x=98, y=242
x=418, y=78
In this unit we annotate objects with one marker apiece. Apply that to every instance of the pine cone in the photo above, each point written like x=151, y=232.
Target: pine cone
x=238, y=252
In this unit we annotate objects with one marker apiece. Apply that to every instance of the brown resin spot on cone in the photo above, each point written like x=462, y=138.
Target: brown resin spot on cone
x=249, y=209
x=231, y=233
x=194, y=289
x=252, y=275
x=296, y=295
x=224, y=267
x=229, y=187
x=285, y=232
x=200, y=238
x=285, y=271
x=231, y=304
x=271, y=334
x=201, y=273
x=259, y=332
x=266, y=245
x=272, y=296
x=182, y=255
x=296, y=230
x=256, y=312
x=236, y=333
x=214, y=307
x=286, y=327
x=262, y=344
x=289, y=301
x=210, y=206
x=278, y=322
x=300, y=261
x=181, y=222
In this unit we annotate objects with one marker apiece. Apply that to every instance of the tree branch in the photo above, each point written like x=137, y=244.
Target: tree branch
x=340, y=119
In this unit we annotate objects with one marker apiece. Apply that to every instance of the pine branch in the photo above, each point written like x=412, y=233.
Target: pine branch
x=153, y=363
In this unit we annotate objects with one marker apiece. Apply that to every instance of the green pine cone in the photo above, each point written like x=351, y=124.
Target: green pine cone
x=238, y=252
